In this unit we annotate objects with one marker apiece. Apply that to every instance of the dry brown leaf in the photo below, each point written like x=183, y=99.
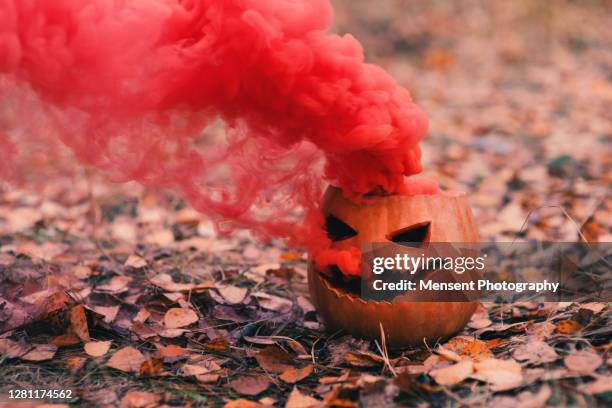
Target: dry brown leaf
x=66, y=339
x=179, y=317
x=363, y=359
x=171, y=353
x=465, y=348
x=140, y=399
x=162, y=237
x=294, y=375
x=567, y=327
x=135, y=261
x=448, y=354
x=127, y=359
x=78, y=322
x=480, y=323
x=250, y=384
x=525, y=399
x=540, y=331
x=74, y=364
x=298, y=400
x=274, y=359
x=232, y=295
x=267, y=401
x=535, y=352
x=164, y=281
x=151, y=367
x=40, y=352
x=207, y=378
x=219, y=345
x=13, y=349
x=599, y=386
x=500, y=374
x=595, y=307
x=109, y=312
x=81, y=271
x=583, y=361
x=271, y=302
x=305, y=304
x=243, y=403
x=204, y=367
x=142, y=315
x=453, y=374
x=97, y=348
x=115, y=285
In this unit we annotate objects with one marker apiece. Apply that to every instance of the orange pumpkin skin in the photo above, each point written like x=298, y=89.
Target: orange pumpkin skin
x=374, y=219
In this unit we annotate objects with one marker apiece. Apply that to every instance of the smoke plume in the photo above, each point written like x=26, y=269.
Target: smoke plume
x=129, y=85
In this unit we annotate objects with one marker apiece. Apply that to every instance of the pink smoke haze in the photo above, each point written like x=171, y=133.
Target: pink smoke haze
x=129, y=86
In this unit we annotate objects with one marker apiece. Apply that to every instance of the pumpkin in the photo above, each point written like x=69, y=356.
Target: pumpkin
x=391, y=218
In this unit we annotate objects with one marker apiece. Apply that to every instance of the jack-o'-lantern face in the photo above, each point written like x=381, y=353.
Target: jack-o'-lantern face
x=399, y=219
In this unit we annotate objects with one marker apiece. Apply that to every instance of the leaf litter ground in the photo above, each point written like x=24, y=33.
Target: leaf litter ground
x=128, y=297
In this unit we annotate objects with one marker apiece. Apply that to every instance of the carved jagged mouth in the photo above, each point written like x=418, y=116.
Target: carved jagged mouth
x=352, y=285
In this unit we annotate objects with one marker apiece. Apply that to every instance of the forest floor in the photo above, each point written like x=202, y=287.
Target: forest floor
x=146, y=305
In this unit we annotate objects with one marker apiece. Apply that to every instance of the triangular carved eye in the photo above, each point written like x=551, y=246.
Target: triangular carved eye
x=417, y=233
x=338, y=230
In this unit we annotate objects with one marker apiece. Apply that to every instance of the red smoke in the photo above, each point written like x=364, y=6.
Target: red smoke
x=129, y=85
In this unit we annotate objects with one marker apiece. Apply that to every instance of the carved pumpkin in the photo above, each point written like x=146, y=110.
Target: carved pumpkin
x=420, y=218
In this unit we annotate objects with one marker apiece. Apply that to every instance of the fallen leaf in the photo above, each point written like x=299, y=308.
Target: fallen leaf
x=540, y=331
x=135, y=261
x=207, y=378
x=599, y=386
x=595, y=307
x=179, y=317
x=568, y=327
x=219, y=345
x=66, y=339
x=40, y=352
x=525, y=399
x=250, y=384
x=243, y=403
x=583, y=361
x=164, y=281
x=298, y=400
x=480, y=323
x=74, y=364
x=142, y=315
x=115, y=285
x=97, y=348
x=162, y=237
x=151, y=367
x=172, y=333
x=267, y=401
x=535, y=352
x=294, y=375
x=232, y=295
x=502, y=375
x=453, y=374
x=78, y=322
x=305, y=304
x=274, y=359
x=140, y=399
x=274, y=303
x=363, y=359
x=13, y=349
x=127, y=359
x=203, y=367
x=109, y=312
x=171, y=353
